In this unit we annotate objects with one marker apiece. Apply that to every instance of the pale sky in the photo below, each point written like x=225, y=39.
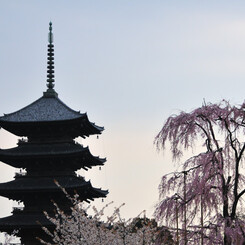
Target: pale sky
x=129, y=65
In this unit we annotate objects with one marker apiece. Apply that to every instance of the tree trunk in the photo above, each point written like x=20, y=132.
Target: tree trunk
x=202, y=234
x=177, y=222
x=185, y=218
x=227, y=238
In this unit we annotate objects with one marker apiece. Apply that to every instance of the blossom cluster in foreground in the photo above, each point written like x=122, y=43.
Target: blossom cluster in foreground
x=80, y=228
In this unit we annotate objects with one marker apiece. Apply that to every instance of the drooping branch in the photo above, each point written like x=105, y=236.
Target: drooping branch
x=208, y=141
x=215, y=173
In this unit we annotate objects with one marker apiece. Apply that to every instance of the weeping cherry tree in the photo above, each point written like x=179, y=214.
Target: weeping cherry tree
x=203, y=201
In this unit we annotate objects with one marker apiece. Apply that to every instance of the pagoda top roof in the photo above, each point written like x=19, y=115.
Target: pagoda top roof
x=52, y=116
x=43, y=110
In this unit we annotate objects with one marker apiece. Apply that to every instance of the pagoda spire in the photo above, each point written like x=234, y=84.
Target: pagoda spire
x=50, y=72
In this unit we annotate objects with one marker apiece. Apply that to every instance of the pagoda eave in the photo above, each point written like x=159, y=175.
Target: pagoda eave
x=22, y=188
x=73, y=128
x=19, y=221
x=52, y=164
x=69, y=155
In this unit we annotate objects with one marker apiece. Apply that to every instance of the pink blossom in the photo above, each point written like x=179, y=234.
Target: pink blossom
x=205, y=197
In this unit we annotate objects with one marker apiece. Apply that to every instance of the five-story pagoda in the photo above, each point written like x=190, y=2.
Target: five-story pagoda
x=49, y=153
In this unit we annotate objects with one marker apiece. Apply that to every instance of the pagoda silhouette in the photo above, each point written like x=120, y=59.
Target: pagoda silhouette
x=47, y=153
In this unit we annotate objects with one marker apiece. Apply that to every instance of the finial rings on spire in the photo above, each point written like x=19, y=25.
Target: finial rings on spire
x=50, y=35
